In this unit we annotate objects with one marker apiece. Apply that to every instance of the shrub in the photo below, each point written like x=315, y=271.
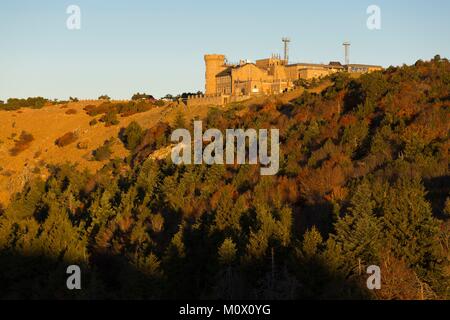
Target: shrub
x=7, y=173
x=110, y=118
x=124, y=109
x=16, y=104
x=65, y=140
x=22, y=144
x=131, y=136
x=301, y=83
x=93, y=122
x=142, y=96
x=91, y=110
x=153, y=139
x=103, y=108
x=104, y=97
x=180, y=121
x=130, y=108
x=104, y=152
x=71, y=111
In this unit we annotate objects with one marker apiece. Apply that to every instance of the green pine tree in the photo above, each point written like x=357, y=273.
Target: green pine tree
x=359, y=231
x=411, y=231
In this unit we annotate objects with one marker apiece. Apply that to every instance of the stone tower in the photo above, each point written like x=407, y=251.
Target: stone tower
x=215, y=63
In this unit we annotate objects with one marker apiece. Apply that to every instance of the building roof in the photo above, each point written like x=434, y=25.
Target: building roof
x=363, y=65
x=320, y=65
x=306, y=64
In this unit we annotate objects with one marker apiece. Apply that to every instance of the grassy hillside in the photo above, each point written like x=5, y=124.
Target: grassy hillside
x=48, y=123
x=364, y=180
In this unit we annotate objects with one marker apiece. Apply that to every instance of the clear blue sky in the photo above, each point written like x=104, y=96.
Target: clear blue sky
x=157, y=46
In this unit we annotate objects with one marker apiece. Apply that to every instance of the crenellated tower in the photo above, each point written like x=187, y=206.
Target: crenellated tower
x=215, y=63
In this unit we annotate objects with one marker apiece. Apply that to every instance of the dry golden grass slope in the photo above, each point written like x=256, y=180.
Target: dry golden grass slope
x=51, y=122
